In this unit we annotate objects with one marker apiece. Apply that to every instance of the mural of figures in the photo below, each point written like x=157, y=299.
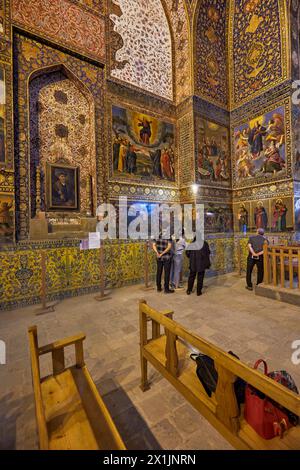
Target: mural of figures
x=218, y=218
x=143, y=146
x=259, y=147
x=279, y=213
x=2, y=115
x=6, y=218
x=260, y=216
x=213, y=159
x=243, y=218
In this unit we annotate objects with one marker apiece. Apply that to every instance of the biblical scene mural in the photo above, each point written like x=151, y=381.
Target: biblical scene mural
x=210, y=51
x=2, y=115
x=217, y=218
x=213, y=158
x=259, y=147
x=242, y=215
x=143, y=146
x=259, y=47
x=6, y=218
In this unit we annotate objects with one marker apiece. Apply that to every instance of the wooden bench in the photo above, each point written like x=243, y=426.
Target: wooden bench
x=169, y=354
x=69, y=410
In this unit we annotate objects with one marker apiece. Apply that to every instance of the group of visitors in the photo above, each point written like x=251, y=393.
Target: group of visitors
x=170, y=255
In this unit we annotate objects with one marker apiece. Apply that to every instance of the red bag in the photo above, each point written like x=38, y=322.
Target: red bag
x=264, y=415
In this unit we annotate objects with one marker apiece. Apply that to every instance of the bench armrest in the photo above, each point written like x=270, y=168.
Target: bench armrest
x=61, y=344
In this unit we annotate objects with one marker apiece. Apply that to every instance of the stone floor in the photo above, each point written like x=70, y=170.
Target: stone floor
x=227, y=315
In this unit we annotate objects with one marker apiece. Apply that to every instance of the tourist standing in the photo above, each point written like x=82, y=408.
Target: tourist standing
x=256, y=257
x=177, y=261
x=199, y=262
x=162, y=248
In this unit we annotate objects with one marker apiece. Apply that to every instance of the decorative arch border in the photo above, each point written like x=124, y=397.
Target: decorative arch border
x=61, y=67
x=43, y=56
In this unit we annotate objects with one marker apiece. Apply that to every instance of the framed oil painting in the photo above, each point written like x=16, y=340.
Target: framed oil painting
x=260, y=148
x=143, y=147
x=213, y=156
x=62, y=187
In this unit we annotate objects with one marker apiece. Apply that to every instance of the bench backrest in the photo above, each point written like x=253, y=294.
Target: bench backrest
x=228, y=367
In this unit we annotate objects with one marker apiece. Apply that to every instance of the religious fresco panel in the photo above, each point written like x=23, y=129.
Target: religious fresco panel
x=210, y=52
x=261, y=148
x=212, y=153
x=143, y=147
x=217, y=218
x=6, y=219
x=258, y=47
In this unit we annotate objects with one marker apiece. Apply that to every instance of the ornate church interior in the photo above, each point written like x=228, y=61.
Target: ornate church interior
x=106, y=104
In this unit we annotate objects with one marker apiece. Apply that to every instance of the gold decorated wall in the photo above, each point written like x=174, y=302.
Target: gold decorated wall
x=230, y=67
x=258, y=48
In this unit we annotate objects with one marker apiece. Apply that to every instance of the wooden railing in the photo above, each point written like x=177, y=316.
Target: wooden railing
x=165, y=351
x=282, y=265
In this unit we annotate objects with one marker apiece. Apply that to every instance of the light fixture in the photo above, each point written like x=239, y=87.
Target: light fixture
x=195, y=188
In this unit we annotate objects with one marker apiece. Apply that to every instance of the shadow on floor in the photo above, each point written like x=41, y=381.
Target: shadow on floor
x=131, y=425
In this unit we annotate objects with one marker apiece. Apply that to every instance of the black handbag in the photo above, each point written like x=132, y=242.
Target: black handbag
x=208, y=376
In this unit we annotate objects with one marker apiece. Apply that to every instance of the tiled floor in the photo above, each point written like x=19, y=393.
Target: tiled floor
x=227, y=315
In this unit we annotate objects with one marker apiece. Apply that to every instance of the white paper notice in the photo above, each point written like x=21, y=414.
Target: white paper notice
x=94, y=240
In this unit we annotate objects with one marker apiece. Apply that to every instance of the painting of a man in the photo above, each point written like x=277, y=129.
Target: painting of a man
x=63, y=188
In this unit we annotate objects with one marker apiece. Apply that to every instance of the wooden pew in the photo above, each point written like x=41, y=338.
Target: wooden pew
x=69, y=410
x=169, y=354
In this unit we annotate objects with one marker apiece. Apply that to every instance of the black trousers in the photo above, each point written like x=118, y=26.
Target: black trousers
x=260, y=269
x=192, y=277
x=165, y=265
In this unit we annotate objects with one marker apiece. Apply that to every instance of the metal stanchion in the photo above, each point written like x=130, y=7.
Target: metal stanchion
x=103, y=295
x=147, y=285
x=44, y=308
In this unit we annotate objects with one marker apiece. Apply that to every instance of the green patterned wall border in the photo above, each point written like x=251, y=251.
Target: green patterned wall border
x=72, y=272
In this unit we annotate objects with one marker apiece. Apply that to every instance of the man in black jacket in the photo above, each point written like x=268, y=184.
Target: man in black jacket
x=199, y=262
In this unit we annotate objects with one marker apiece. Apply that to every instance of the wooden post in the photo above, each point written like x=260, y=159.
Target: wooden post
x=291, y=270
x=147, y=285
x=171, y=354
x=44, y=308
x=156, y=326
x=239, y=255
x=143, y=341
x=274, y=267
x=103, y=295
x=58, y=361
x=266, y=264
x=79, y=354
x=227, y=407
x=281, y=267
